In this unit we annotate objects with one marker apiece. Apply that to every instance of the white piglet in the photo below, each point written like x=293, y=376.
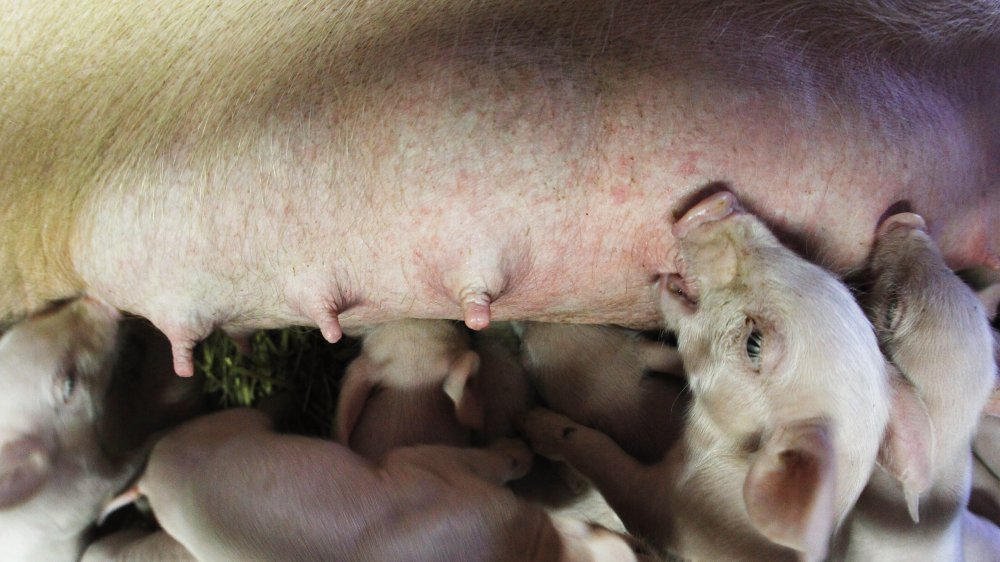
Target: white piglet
x=83, y=391
x=410, y=385
x=228, y=488
x=54, y=476
x=932, y=327
x=790, y=402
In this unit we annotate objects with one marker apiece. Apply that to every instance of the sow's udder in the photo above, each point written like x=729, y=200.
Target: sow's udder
x=501, y=173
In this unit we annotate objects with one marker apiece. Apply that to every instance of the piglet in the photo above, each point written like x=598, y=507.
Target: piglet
x=409, y=386
x=228, y=488
x=790, y=400
x=932, y=327
x=69, y=438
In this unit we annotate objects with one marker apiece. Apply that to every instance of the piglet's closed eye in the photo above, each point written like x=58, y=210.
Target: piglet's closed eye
x=789, y=491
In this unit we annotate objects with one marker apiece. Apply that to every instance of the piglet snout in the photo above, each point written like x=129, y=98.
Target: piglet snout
x=711, y=209
x=908, y=220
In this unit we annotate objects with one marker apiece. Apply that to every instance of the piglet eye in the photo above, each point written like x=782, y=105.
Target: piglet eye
x=755, y=342
x=69, y=384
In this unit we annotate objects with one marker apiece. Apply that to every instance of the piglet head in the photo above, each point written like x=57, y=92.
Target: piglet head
x=55, y=368
x=783, y=366
x=408, y=355
x=920, y=309
x=930, y=324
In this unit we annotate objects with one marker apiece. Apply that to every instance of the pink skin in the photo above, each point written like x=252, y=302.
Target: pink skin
x=85, y=390
x=791, y=399
x=423, y=160
x=418, y=382
x=932, y=326
x=414, y=383
x=418, y=503
x=907, y=220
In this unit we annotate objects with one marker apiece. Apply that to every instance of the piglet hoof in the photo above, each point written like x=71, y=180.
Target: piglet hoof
x=546, y=431
x=907, y=220
x=713, y=208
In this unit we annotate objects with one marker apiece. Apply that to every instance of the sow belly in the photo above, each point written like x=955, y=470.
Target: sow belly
x=240, y=166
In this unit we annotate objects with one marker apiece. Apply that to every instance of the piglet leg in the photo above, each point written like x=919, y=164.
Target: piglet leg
x=624, y=482
x=501, y=462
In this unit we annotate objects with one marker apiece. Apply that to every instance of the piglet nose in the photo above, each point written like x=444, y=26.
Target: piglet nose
x=908, y=220
x=713, y=208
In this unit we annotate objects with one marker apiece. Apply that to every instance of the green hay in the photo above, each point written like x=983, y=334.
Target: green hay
x=296, y=363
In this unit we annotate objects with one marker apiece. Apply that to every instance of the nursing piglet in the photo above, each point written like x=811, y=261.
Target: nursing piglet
x=409, y=386
x=790, y=399
x=69, y=437
x=932, y=327
x=228, y=488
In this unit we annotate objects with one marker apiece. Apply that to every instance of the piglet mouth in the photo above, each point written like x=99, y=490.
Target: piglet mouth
x=698, y=240
x=677, y=287
x=709, y=210
x=909, y=221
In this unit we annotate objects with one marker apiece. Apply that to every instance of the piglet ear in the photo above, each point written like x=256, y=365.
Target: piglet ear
x=907, y=450
x=357, y=385
x=459, y=386
x=789, y=490
x=24, y=467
